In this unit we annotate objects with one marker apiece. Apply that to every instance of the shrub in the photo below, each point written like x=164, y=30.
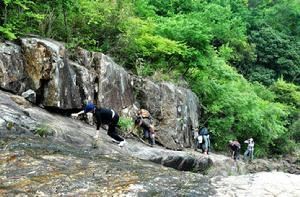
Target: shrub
x=125, y=124
x=43, y=130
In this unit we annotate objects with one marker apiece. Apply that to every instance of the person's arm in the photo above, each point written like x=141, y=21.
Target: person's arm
x=151, y=129
x=75, y=115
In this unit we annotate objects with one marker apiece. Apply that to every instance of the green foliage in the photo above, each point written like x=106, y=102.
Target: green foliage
x=287, y=93
x=8, y=32
x=125, y=124
x=9, y=125
x=277, y=52
x=43, y=130
x=233, y=109
x=18, y=18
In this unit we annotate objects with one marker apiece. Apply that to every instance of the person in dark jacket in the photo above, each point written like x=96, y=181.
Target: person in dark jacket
x=235, y=147
x=104, y=116
x=206, y=140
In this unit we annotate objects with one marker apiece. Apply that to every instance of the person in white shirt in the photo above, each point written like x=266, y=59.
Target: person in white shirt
x=250, y=149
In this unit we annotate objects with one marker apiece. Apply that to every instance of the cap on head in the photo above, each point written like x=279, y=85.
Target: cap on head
x=251, y=139
x=89, y=107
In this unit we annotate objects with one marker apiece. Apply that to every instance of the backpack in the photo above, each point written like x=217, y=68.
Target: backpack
x=203, y=131
x=144, y=113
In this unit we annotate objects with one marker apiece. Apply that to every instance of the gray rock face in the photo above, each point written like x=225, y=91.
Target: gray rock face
x=50, y=74
x=175, y=108
x=12, y=72
x=103, y=81
x=13, y=118
x=30, y=95
x=45, y=67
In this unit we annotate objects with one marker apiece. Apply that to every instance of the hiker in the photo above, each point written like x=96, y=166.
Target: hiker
x=235, y=147
x=250, y=149
x=148, y=129
x=205, y=140
x=103, y=116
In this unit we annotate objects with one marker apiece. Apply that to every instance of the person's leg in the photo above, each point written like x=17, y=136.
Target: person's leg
x=146, y=133
x=205, y=144
x=149, y=138
x=237, y=154
x=251, y=155
x=246, y=155
x=112, y=129
x=153, y=138
x=208, y=147
x=196, y=144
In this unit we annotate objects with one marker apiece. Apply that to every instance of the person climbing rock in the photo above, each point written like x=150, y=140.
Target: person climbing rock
x=148, y=129
x=104, y=116
x=206, y=140
x=249, y=152
x=235, y=147
x=145, y=115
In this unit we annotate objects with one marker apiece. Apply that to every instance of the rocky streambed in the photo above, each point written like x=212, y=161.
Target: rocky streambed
x=64, y=164
x=34, y=166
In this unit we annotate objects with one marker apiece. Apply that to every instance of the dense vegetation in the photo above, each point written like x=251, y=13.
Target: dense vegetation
x=241, y=57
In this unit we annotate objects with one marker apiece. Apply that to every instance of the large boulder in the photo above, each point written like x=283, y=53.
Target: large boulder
x=110, y=83
x=12, y=73
x=50, y=74
x=175, y=109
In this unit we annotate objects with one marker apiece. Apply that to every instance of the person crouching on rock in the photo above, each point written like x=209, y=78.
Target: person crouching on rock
x=235, y=147
x=104, y=116
x=148, y=129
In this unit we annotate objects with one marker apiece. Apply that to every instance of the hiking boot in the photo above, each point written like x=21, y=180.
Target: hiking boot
x=122, y=143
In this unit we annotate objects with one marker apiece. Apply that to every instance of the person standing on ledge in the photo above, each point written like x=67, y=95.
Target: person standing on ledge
x=249, y=152
x=235, y=147
x=104, y=116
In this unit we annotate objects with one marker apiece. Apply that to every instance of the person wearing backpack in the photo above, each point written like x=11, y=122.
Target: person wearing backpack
x=235, y=147
x=145, y=114
x=148, y=129
x=205, y=145
x=250, y=149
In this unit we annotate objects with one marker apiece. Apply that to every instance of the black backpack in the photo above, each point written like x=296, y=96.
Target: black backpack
x=203, y=131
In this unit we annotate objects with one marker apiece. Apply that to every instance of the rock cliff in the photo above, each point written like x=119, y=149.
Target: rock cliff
x=48, y=74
